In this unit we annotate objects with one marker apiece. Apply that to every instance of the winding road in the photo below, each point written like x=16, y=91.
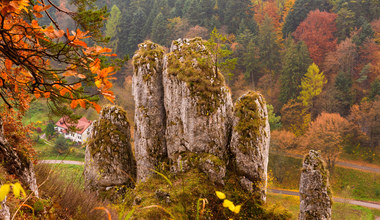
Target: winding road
x=340, y=163
x=371, y=205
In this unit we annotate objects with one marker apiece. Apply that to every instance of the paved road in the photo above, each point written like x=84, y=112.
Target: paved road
x=61, y=162
x=371, y=205
x=345, y=164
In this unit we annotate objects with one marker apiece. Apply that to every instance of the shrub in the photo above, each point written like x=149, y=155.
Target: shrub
x=61, y=146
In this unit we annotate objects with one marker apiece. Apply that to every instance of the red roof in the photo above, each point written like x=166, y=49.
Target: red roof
x=81, y=126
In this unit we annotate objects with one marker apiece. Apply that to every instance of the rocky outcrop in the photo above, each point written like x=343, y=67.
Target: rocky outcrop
x=109, y=158
x=148, y=92
x=250, y=142
x=315, y=193
x=16, y=163
x=198, y=103
x=4, y=211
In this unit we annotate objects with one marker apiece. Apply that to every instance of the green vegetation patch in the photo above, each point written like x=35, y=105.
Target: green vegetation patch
x=178, y=195
x=148, y=54
x=192, y=63
x=250, y=122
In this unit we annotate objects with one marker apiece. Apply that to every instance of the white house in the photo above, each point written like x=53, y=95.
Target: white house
x=82, y=129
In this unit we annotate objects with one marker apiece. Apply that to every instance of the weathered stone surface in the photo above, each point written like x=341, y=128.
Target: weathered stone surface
x=213, y=166
x=16, y=163
x=109, y=158
x=198, y=103
x=148, y=92
x=4, y=211
x=315, y=193
x=250, y=142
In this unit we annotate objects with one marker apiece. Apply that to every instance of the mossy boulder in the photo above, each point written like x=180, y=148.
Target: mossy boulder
x=181, y=195
x=250, y=142
x=109, y=161
x=148, y=92
x=315, y=192
x=198, y=103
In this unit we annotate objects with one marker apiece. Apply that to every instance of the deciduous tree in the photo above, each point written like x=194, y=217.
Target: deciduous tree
x=317, y=31
x=311, y=85
x=327, y=134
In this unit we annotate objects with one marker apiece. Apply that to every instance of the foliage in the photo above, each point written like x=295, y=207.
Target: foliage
x=282, y=140
x=111, y=27
x=294, y=117
x=274, y=121
x=29, y=69
x=15, y=132
x=300, y=11
x=366, y=117
x=220, y=54
x=50, y=130
x=317, y=31
x=269, y=49
x=16, y=189
x=327, y=134
x=311, y=85
x=296, y=61
x=61, y=145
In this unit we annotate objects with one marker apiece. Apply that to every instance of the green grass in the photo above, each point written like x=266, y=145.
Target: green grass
x=339, y=210
x=70, y=173
x=348, y=183
x=46, y=152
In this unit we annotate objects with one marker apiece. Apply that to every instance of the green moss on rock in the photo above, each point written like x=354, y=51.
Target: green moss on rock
x=191, y=63
x=249, y=120
x=148, y=54
x=190, y=186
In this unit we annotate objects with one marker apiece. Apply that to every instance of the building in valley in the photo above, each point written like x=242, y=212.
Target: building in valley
x=78, y=132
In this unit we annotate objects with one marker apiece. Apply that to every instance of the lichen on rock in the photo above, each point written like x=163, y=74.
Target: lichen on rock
x=315, y=192
x=250, y=142
x=198, y=103
x=109, y=160
x=150, y=118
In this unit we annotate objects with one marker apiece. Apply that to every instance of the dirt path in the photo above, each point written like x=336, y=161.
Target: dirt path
x=371, y=205
x=72, y=162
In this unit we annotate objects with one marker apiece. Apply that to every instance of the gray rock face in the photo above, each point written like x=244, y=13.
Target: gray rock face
x=148, y=92
x=197, y=102
x=250, y=142
x=109, y=158
x=16, y=163
x=315, y=193
x=4, y=211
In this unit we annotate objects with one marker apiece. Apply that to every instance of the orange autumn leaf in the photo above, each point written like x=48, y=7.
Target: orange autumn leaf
x=8, y=64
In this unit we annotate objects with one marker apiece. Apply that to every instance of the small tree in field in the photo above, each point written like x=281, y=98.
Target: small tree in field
x=49, y=130
x=61, y=146
x=327, y=134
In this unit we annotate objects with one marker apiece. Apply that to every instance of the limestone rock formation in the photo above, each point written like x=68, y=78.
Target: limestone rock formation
x=109, y=158
x=250, y=142
x=4, y=211
x=148, y=92
x=16, y=163
x=198, y=103
x=315, y=193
